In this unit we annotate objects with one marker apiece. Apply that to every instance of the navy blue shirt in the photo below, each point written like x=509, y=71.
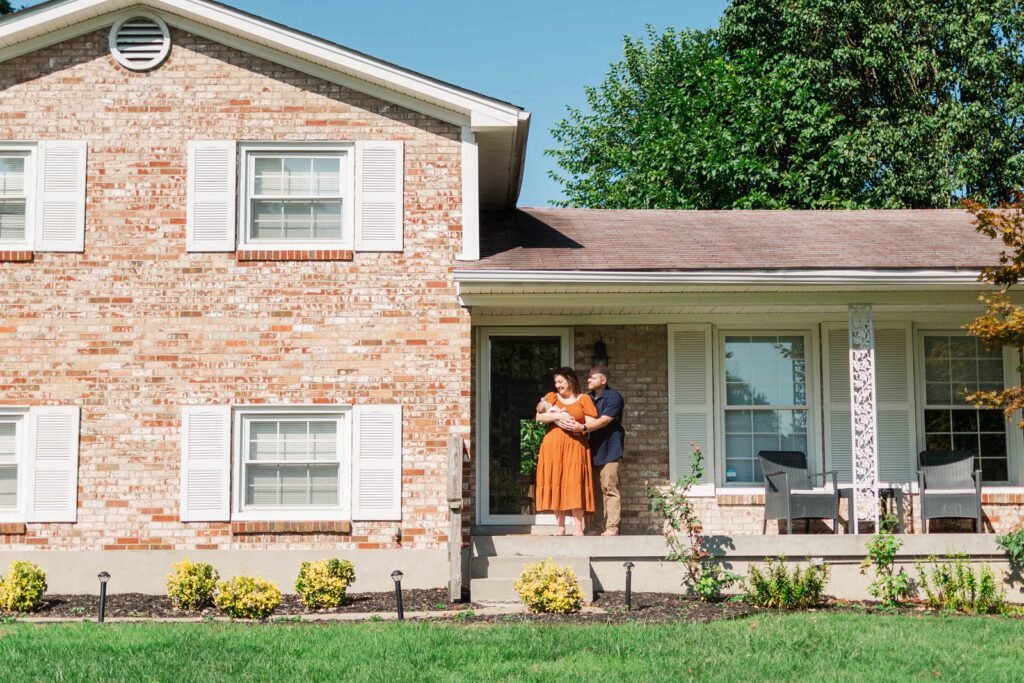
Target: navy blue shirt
x=607, y=443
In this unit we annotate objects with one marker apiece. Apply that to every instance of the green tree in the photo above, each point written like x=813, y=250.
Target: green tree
x=808, y=104
x=5, y=7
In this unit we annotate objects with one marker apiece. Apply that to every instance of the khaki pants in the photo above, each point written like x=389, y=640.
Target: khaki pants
x=607, y=503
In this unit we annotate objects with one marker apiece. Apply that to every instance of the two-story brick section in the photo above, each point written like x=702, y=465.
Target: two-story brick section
x=266, y=299
x=228, y=320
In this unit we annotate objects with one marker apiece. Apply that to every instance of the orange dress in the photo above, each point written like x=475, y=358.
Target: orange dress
x=564, y=479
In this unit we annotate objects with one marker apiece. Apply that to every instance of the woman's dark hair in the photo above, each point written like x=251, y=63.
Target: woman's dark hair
x=570, y=376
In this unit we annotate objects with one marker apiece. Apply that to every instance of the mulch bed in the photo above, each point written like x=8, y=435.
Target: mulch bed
x=159, y=606
x=647, y=608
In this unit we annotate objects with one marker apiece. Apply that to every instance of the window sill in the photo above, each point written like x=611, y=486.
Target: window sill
x=18, y=256
x=250, y=255
x=322, y=527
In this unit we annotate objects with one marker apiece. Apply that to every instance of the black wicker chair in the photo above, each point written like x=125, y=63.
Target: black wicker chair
x=950, y=487
x=789, y=491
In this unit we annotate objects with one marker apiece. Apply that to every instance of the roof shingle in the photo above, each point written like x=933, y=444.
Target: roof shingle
x=618, y=240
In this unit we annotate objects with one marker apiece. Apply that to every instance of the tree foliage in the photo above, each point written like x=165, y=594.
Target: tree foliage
x=808, y=104
x=5, y=7
x=1002, y=324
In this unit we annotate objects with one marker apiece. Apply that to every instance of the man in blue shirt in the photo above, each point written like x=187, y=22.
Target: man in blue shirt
x=607, y=440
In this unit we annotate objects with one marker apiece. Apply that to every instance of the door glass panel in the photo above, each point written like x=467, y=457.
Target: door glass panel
x=520, y=374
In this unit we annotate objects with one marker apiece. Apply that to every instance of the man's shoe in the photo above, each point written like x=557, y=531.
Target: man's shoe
x=610, y=532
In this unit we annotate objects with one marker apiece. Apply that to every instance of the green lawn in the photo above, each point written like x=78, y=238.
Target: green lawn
x=766, y=647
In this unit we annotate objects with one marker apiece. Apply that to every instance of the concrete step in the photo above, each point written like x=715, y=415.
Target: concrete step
x=511, y=566
x=530, y=545
x=502, y=590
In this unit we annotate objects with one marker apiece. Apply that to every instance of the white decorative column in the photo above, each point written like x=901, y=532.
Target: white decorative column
x=864, y=428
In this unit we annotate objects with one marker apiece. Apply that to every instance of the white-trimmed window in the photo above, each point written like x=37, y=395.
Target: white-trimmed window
x=12, y=430
x=17, y=196
x=296, y=197
x=956, y=365
x=766, y=399
x=292, y=464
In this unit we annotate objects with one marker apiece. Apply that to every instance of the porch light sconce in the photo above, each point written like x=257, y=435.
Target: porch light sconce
x=600, y=353
x=629, y=585
x=396, y=576
x=103, y=577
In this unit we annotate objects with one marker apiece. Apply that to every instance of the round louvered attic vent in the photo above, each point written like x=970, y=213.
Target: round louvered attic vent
x=140, y=42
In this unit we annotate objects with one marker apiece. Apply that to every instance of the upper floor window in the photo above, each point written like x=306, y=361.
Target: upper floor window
x=956, y=365
x=16, y=184
x=766, y=400
x=297, y=198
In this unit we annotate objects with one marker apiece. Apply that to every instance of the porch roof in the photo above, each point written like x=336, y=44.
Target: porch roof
x=589, y=240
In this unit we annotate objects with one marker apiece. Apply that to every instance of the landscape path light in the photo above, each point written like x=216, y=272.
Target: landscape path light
x=396, y=576
x=629, y=584
x=103, y=577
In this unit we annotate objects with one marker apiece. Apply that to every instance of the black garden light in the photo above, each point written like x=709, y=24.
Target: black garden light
x=629, y=584
x=396, y=576
x=103, y=577
x=600, y=354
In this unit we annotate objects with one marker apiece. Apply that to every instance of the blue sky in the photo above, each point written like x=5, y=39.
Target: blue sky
x=538, y=55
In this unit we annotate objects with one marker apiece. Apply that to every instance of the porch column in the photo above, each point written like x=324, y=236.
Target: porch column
x=864, y=428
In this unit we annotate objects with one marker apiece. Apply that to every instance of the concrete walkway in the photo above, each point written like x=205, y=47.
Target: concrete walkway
x=485, y=611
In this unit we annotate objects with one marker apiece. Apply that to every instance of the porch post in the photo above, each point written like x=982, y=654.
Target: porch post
x=864, y=427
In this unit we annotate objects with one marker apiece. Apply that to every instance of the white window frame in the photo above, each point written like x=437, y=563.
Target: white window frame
x=342, y=511
x=1014, y=436
x=22, y=447
x=251, y=150
x=815, y=446
x=29, y=151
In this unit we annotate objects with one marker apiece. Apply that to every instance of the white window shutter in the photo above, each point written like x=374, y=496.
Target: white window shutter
x=380, y=180
x=206, y=464
x=212, y=188
x=53, y=468
x=690, y=404
x=897, y=422
x=60, y=205
x=838, y=435
x=377, y=463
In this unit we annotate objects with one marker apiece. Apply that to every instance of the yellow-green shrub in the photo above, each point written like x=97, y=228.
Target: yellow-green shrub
x=190, y=586
x=548, y=587
x=322, y=584
x=23, y=588
x=247, y=597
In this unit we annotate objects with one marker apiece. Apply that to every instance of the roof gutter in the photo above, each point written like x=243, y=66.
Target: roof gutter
x=965, y=278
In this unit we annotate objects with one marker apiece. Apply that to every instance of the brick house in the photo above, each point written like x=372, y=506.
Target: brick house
x=256, y=285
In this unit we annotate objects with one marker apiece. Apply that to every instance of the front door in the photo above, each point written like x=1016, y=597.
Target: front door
x=515, y=371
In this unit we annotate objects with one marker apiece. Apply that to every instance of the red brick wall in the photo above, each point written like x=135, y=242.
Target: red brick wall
x=136, y=327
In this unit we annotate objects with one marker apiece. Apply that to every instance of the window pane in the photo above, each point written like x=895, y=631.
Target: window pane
x=991, y=421
x=324, y=485
x=327, y=175
x=267, y=220
x=294, y=486
x=994, y=470
x=268, y=178
x=936, y=347
x=937, y=421
x=965, y=420
x=12, y=220
x=8, y=434
x=261, y=485
x=298, y=176
x=962, y=347
x=324, y=437
x=990, y=371
x=326, y=220
x=937, y=394
x=738, y=421
x=936, y=370
x=964, y=370
x=8, y=487
x=12, y=176
x=765, y=371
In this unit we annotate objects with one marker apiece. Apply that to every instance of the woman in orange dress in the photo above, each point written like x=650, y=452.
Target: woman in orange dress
x=564, y=480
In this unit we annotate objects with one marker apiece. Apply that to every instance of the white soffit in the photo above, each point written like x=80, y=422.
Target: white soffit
x=502, y=124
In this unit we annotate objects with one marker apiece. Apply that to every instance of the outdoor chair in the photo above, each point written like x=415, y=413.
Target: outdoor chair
x=789, y=491
x=950, y=487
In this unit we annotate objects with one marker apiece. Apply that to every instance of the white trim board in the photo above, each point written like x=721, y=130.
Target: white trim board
x=728, y=277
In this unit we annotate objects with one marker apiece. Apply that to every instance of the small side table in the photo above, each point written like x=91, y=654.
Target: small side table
x=890, y=492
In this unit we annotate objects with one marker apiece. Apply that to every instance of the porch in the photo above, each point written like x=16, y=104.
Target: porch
x=496, y=559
